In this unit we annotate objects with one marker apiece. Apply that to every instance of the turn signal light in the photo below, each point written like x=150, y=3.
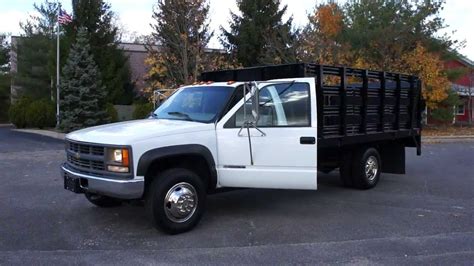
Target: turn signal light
x=125, y=158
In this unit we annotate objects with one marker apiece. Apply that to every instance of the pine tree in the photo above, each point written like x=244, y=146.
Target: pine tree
x=83, y=97
x=4, y=78
x=98, y=18
x=259, y=36
x=181, y=32
x=36, y=53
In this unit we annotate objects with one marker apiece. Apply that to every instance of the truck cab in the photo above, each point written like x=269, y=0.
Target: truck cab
x=253, y=133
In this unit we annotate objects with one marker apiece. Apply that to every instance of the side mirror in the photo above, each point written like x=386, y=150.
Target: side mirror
x=251, y=121
x=157, y=101
x=255, y=102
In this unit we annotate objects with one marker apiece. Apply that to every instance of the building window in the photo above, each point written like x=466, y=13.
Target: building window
x=460, y=109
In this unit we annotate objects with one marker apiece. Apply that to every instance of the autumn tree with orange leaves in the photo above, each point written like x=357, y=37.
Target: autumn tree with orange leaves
x=320, y=40
x=394, y=36
x=430, y=69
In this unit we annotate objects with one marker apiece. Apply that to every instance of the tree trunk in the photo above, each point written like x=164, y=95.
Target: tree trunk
x=185, y=61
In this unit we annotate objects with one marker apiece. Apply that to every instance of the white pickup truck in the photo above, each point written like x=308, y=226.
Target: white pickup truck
x=264, y=127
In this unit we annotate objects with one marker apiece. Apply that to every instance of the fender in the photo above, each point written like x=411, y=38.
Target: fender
x=191, y=149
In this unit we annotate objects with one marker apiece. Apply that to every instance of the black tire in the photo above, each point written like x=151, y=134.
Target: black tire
x=173, y=182
x=361, y=162
x=102, y=201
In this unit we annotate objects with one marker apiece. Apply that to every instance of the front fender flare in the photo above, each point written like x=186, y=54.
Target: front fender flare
x=191, y=149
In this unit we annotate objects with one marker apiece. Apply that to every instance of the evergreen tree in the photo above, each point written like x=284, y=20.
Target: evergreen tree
x=259, y=36
x=83, y=97
x=4, y=54
x=97, y=17
x=181, y=32
x=36, y=53
x=4, y=77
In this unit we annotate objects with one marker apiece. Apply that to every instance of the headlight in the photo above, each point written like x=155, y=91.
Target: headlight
x=118, y=156
x=118, y=160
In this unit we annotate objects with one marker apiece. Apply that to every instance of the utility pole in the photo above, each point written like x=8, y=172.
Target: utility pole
x=57, y=66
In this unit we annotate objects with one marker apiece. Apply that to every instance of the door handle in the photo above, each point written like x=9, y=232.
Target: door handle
x=308, y=140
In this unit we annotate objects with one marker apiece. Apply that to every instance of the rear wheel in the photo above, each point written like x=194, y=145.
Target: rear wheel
x=102, y=201
x=366, y=168
x=176, y=200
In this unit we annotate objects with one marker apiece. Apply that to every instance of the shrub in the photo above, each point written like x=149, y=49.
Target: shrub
x=445, y=112
x=17, y=112
x=112, y=113
x=142, y=110
x=41, y=114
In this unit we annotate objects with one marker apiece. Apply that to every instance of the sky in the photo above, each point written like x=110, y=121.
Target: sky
x=134, y=16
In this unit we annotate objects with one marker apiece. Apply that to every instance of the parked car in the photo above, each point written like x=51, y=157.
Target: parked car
x=263, y=127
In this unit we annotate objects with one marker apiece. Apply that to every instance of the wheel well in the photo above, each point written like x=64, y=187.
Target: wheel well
x=193, y=162
x=392, y=155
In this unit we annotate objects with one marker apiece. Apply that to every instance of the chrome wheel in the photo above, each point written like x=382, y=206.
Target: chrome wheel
x=371, y=168
x=180, y=202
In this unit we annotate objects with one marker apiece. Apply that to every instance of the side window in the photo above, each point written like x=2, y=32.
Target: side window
x=284, y=104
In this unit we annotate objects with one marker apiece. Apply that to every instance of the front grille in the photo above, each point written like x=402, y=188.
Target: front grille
x=88, y=164
x=85, y=157
x=86, y=149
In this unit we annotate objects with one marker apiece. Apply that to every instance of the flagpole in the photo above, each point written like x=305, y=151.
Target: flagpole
x=57, y=66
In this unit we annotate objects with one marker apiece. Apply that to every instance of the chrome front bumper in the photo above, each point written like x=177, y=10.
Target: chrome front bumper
x=122, y=189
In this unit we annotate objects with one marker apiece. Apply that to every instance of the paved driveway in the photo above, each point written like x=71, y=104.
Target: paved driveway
x=424, y=216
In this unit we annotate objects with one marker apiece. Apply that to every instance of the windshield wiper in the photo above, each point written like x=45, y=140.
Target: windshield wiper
x=181, y=114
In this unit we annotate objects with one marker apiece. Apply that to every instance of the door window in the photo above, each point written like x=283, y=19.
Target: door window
x=280, y=105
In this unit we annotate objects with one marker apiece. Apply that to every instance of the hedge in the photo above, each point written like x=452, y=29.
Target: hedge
x=142, y=110
x=28, y=113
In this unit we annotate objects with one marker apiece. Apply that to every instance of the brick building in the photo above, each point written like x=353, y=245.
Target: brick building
x=464, y=86
x=136, y=53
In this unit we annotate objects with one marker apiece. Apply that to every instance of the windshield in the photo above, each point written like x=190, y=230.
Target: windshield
x=199, y=104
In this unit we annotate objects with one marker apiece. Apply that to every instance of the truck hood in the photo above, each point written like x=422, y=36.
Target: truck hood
x=126, y=133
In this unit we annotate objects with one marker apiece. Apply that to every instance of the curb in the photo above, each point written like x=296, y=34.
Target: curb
x=42, y=132
x=450, y=137
x=447, y=139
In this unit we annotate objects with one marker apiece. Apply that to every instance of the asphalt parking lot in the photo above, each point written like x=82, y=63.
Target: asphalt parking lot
x=425, y=216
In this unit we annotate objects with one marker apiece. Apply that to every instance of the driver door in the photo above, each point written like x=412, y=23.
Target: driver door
x=284, y=156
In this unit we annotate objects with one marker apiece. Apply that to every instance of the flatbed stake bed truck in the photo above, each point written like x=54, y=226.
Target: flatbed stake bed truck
x=260, y=127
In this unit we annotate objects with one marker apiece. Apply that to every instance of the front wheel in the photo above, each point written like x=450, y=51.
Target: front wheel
x=176, y=200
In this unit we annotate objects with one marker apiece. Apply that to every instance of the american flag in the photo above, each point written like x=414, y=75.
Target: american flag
x=64, y=18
